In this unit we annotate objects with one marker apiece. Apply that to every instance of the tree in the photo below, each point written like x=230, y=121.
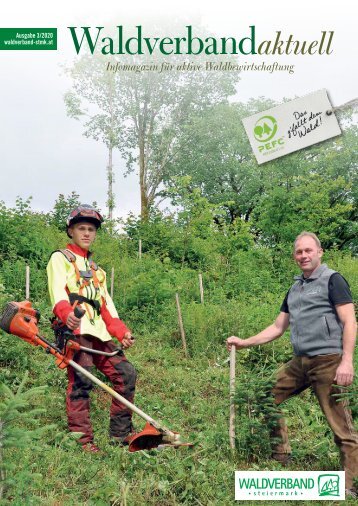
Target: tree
x=307, y=205
x=216, y=154
x=62, y=208
x=314, y=188
x=142, y=113
x=95, y=86
x=17, y=417
x=336, y=160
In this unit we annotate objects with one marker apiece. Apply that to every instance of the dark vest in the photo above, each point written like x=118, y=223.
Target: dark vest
x=315, y=327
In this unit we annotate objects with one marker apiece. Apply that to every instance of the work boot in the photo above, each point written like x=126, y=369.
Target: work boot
x=91, y=448
x=352, y=492
x=122, y=440
x=283, y=458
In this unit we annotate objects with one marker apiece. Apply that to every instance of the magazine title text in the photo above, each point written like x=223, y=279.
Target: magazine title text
x=94, y=39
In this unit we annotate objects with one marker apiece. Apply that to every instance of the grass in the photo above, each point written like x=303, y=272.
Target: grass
x=188, y=395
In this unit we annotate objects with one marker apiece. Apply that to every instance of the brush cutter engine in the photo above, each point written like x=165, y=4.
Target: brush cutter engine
x=20, y=319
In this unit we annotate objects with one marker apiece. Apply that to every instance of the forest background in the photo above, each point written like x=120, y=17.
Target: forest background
x=224, y=217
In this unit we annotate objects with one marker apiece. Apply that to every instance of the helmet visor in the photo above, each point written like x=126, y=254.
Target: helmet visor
x=82, y=213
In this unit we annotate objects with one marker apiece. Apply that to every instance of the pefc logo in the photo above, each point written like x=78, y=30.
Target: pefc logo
x=328, y=485
x=265, y=130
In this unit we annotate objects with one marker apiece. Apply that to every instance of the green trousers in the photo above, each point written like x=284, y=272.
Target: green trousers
x=318, y=373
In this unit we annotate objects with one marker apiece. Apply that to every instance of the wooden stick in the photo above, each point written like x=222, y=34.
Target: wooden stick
x=112, y=282
x=232, y=398
x=181, y=326
x=27, y=284
x=140, y=249
x=201, y=288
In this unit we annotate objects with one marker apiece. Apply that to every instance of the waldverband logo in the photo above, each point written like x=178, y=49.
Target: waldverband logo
x=265, y=128
x=289, y=485
x=328, y=485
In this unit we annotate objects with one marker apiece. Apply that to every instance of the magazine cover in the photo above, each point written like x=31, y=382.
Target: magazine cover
x=178, y=254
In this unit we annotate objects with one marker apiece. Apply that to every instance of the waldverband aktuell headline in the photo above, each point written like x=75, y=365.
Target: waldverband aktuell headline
x=95, y=39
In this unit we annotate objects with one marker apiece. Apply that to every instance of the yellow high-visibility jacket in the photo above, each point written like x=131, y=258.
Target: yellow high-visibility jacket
x=62, y=280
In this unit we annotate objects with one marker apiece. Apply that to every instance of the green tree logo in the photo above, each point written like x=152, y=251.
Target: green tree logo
x=265, y=128
x=328, y=485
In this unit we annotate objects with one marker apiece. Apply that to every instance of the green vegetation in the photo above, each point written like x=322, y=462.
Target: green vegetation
x=16, y=416
x=244, y=283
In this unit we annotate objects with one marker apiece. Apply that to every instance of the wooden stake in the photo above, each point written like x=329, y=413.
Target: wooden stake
x=201, y=288
x=140, y=249
x=232, y=398
x=112, y=282
x=181, y=326
x=27, y=284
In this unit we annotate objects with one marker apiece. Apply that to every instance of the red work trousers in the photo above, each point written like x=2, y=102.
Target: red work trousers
x=122, y=375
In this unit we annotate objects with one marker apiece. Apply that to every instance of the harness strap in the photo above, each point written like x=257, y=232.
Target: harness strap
x=93, y=264
x=84, y=300
x=71, y=257
x=81, y=282
x=94, y=268
x=95, y=280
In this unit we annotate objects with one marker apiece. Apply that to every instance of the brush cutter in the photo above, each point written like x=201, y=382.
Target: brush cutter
x=21, y=319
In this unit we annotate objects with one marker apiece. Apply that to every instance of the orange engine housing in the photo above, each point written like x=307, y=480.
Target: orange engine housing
x=20, y=319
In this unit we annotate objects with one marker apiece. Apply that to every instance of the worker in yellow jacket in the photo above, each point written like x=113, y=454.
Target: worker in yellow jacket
x=74, y=277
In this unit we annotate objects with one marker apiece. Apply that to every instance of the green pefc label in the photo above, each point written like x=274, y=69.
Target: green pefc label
x=28, y=38
x=265, y=130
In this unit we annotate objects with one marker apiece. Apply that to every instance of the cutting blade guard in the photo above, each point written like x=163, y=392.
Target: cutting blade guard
x=150, y=438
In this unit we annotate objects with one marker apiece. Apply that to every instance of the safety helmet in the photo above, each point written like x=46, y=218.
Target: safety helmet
x=84, y=212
